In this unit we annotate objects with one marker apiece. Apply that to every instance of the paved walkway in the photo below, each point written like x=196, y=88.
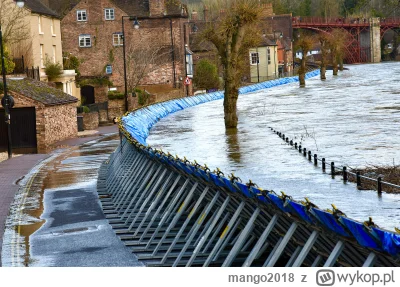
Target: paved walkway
x=11, y=171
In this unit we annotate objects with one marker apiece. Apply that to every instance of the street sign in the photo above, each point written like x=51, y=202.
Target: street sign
x=187, y=81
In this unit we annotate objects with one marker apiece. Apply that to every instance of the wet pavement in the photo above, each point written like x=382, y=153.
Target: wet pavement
x=56, y=218
x=352, y=119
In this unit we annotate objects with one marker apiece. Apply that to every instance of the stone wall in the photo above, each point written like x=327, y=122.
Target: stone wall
x=60, y=123
x=90, y=121
x=53, y=123
x=116, y=108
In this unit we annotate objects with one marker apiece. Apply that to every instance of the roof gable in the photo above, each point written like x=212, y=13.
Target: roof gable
x=37, y=6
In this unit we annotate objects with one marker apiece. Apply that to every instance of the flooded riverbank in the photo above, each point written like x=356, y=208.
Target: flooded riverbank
x=352, y=119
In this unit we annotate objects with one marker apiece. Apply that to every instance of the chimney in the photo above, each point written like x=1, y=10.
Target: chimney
x=266, y=10
x=157, y=8
x=195, y=16
x=205, y=12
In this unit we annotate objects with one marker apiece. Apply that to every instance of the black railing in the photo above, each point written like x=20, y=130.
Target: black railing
x=97, y=107
x=343, y=170
x=33, y=73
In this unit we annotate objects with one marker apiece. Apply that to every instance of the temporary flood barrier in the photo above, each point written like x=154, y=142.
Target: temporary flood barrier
x=172, y=212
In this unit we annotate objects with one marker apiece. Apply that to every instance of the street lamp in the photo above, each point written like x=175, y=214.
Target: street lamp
x=136, y=26
x=276, y=51
x=7, y=101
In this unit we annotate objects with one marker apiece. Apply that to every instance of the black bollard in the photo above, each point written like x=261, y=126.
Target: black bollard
x=295, y=145
x=304, y=151
x=291, y=142
x=309, y=155
x=379, y=185
x=323, y=164
x=344, y=174
x=287, y=140
x=358, y=179
x=283, y=136
x=300, y=148
x=315, y=159
x=333, y=169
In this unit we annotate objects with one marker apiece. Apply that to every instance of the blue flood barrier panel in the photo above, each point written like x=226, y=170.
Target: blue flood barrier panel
x=363, y=237
x=328, y=220
x=390, y=241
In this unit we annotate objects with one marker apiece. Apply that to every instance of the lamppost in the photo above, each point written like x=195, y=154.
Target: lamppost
x=136, y=26
x=276, y=51
x=7, y=101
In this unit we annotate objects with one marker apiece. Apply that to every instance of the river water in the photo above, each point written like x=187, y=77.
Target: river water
x=352, y=119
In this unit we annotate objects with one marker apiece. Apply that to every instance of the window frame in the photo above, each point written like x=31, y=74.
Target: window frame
x=84, y=37
x=81, y=11
x=109, y=10
x=109, y=70
x=254, y=58
x=120, y=38
x=41, y=56
x=40, y=23
x=268, y=56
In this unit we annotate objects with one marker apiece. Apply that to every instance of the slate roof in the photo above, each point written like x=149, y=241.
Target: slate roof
x=37, y=6
x=140, y=8
x=40, y=91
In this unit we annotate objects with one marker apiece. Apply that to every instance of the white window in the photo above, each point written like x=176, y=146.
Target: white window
x=269, y=55
x=109, y=14
x=40, y=24
x=254, y=58
x=118, y=39
x=108, y=69
x=85, y=41
x=54, y=54
x=52, y=28
x=81, y=15
x=41, y=56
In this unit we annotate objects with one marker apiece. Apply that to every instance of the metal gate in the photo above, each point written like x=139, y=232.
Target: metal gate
x=23, y=130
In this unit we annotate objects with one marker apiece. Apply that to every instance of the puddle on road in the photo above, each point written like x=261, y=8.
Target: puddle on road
x=60, y=172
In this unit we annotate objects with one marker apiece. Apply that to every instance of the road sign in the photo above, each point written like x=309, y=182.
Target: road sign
x=187, y=81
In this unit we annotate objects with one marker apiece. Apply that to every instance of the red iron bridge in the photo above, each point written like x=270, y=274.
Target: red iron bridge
x=364, y=35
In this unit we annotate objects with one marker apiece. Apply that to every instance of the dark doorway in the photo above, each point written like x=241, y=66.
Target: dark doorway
x=23, y=130
x=87, y=95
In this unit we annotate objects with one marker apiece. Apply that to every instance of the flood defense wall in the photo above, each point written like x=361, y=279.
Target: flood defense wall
x=233, y=223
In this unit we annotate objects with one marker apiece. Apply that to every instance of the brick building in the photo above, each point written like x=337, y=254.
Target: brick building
x=92, y=31
x=42, y=116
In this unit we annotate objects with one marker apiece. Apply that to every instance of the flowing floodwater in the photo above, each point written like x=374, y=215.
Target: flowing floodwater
x=352, y=119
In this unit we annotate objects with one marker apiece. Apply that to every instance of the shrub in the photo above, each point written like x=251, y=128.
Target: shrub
x=85, y=109
x=9, y=63
x=52, y=70
x=115, y=95
x=206, y=75
x=143, y=96
x=71, y=62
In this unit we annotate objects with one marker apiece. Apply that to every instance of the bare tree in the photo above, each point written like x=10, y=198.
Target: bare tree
x=337, y=46
x=323, y=38
x=304, y=42
x=143, y=58
x=14, y=22
x=232, y=30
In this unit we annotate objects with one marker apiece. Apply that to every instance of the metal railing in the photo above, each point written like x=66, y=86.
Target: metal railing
x=345, y=171
x=33, y=73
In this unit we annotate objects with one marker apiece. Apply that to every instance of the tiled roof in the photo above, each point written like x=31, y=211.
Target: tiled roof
x=138, y=8
x=37, y=6
x=40, y=91
x=62, y=7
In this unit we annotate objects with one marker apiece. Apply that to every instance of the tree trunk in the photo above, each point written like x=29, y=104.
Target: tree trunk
x=341, y=68
x=230, y=104
x=302, y=71
x=323, y=72
x=335, y=64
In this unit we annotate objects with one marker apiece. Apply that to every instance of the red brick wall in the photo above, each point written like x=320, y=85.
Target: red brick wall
x=155, y=31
